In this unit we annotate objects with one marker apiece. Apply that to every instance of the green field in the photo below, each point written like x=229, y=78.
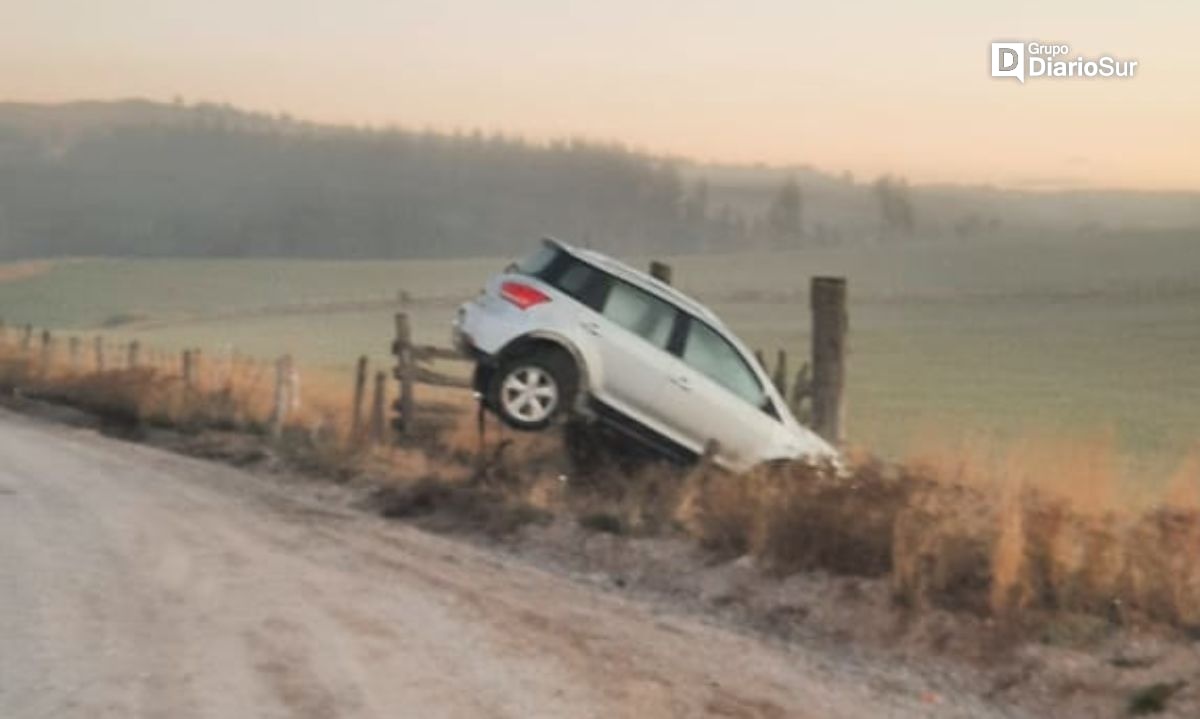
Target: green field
x=1074, y=337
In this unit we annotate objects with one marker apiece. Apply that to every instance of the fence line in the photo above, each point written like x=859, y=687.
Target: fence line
x=816, y=393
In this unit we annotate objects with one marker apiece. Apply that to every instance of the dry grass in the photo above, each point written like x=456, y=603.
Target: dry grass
x=1033, y=527
x=228, y=392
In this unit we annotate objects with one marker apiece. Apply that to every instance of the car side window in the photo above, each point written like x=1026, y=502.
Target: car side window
x=575, y=279
x=641, y=313
x=713, y=356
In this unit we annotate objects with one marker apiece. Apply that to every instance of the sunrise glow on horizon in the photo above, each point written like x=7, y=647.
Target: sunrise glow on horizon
x=869, y=89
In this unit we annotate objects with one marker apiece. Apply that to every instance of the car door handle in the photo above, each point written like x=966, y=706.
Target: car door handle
x=592, y=328
x=682, y=383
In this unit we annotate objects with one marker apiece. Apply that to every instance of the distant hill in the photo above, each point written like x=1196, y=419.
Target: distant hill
x=157, y=179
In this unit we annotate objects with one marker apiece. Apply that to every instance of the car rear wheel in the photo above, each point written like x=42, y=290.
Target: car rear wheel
x=529, y=390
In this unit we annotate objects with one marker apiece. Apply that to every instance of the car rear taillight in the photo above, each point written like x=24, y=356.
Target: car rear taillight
x=522, y=295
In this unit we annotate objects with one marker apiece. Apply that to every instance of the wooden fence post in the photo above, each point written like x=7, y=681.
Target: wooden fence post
x=197, y=367
x=360, y=390
x=661, y=271
x=377, y=408
x=73, y=353
x=780, y=377
x=98, y=352
x=27, y=338
x=830, y=323
x=293, y=386
x=188, y=368
x=47, y=343
x=801, y=389
x=283, y=373
x=3, y=333
x=406, y=372
x=135, y=351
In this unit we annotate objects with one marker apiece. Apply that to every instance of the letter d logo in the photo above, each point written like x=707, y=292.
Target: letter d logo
x=1008, y=60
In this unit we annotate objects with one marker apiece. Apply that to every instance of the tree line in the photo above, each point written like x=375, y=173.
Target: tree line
x=213, y=181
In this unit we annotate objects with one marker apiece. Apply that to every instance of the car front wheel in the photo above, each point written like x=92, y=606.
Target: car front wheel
x=528, y=391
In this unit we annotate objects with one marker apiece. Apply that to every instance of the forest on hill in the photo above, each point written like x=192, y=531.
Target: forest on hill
x=139, y=178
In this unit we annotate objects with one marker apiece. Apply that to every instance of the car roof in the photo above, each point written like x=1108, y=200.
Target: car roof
x=639, y=279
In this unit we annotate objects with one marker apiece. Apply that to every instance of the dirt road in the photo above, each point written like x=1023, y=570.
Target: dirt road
x=136, y=583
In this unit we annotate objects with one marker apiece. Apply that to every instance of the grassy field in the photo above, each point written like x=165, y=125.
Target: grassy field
x=1094, y=338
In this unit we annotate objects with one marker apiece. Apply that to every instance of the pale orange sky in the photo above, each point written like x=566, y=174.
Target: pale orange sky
x=868, y=87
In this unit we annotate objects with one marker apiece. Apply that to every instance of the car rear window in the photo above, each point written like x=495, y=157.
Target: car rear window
x=567, y=274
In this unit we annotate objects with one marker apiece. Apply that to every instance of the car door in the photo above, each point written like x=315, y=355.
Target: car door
x=713, y=394
x=632, y=333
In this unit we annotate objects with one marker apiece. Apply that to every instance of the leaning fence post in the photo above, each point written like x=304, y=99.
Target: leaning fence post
x=73, y=353
x=830, y=323
x=661, y=271
x=283, y=373
x=135, y=351
x=293, y=386
x=197, y=367
x=377, y=408
x=189, y=368
x=27, y=338
x=406, y=372
x=780, y=377
x=360, y=390
x=801, y=389
x=46, y=348
x=98, y=352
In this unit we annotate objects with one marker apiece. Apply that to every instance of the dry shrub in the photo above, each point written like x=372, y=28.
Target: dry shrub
x=815, y=519
x=603, y=474
x=795, y=517
x=1162, y=572
x=723, y=511
x=444, y=505
x=125, y=397
x=15, y=372
x=642, y=500
x=942, y=548
x=1008, y=589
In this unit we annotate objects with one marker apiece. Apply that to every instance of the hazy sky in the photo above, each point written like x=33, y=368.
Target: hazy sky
x=869, y=87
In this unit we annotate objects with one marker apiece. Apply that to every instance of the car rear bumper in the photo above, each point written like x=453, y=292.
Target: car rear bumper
x=484, y=325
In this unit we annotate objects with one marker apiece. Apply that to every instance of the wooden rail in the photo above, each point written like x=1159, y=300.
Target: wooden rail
x=412, y=368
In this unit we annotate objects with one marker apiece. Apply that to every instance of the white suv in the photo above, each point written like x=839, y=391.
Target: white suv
x=571, y=331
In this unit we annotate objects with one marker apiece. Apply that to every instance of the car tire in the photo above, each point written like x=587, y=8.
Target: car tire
x=529, y=390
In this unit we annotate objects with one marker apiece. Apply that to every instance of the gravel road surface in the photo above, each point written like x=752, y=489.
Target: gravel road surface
x=138, y=583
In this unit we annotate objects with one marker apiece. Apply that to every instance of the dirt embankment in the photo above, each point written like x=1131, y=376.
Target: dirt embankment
x=141, y=583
